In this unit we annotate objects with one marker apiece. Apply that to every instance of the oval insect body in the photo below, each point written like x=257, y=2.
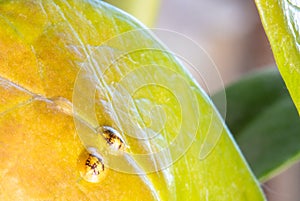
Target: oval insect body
x=92, y=168
x=113, y=138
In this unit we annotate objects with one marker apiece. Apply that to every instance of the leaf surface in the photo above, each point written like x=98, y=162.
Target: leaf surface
x=264, y=121
x=45, y=46
x=281, y=20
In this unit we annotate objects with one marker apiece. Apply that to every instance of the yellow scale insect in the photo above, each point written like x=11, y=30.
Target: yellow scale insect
x=94, y=167
x=113, y=138
x=91, y=167
x=94, y=170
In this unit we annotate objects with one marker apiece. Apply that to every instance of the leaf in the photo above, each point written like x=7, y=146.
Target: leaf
x=281, y=22
x=264, y=121
x=67, y=69
x=145, y=11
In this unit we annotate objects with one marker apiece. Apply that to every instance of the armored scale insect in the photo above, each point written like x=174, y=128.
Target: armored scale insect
x=92, y=169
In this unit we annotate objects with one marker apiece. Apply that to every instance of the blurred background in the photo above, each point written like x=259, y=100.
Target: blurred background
x=231, y=32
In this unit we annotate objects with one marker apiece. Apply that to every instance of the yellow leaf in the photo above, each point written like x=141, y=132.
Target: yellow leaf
x=53, y=57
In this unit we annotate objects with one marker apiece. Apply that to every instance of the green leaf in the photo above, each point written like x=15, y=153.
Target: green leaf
x=58, y=55
x=145, y=11
x=264, y=121
x=281, y=20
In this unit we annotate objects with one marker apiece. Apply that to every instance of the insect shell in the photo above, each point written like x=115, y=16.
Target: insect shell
x=91, y=167
x=113, y=138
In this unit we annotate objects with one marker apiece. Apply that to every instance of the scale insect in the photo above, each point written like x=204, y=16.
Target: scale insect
x=91, y=167
x=113, y=138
